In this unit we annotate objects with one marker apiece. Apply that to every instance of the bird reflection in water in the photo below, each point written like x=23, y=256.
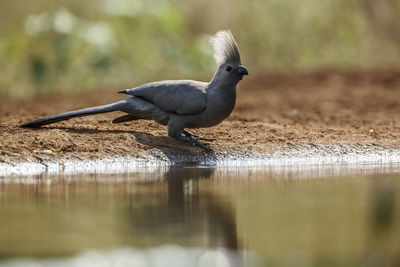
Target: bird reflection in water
x=188, y=216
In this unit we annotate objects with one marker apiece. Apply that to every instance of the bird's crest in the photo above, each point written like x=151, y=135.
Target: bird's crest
x=225, y=48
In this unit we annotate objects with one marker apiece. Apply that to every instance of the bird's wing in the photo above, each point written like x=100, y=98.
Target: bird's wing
x=179, y=97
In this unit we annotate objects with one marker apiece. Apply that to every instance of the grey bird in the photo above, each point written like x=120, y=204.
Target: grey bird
x=178, y=104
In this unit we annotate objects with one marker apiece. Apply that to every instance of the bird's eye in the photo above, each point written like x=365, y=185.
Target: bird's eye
x=229, y=68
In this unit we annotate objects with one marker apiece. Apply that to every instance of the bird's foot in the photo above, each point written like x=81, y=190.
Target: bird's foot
x=194, y=142
x=197, y=137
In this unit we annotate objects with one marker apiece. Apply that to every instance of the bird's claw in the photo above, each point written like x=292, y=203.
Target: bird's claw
x=194, y=142
x=204, y=139
x=197, y=137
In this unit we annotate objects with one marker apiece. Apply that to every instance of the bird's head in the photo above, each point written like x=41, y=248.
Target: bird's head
x=227, y=56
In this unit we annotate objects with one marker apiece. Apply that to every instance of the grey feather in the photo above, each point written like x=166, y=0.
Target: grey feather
x=167, y=95
x=72, y=114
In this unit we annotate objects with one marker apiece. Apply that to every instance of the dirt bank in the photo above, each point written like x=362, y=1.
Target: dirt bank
x=357, y=108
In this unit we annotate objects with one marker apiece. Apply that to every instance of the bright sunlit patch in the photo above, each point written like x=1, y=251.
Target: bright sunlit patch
x=214, y=258
x=129, y=258
x=64, y=21
x=99, y=34
x=163, y=256
x=90, y=259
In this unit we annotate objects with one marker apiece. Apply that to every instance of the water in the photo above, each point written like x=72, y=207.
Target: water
x=320, y=215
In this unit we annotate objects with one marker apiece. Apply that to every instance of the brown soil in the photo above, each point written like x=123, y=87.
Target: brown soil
x=272, y=109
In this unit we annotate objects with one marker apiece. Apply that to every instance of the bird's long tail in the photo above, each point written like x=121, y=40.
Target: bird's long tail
x=133, y=105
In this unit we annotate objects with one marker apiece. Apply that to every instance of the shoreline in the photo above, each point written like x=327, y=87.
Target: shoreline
x=289, y=156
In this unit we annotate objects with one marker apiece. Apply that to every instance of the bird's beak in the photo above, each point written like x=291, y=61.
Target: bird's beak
x=242, y=70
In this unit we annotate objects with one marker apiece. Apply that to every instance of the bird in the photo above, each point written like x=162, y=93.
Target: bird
x=178, y=104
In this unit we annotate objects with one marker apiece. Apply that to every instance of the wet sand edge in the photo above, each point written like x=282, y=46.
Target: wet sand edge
x=290, y=154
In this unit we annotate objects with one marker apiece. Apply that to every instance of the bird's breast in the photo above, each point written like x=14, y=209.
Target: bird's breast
x=219, y=107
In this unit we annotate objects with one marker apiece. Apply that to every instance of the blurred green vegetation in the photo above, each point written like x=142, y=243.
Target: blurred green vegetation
x=54, y=45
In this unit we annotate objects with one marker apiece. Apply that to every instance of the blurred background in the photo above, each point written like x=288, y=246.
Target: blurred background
x=62, y=46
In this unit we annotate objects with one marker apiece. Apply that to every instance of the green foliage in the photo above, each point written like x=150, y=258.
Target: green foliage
x=56, y=50
x=76, y=45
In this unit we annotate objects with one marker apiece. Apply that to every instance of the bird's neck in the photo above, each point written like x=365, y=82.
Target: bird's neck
x=221, y=88
x=220, y=82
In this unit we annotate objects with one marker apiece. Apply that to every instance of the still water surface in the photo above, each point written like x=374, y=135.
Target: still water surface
x=200, y=216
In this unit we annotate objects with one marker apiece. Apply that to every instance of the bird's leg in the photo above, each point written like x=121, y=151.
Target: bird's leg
x=175, y=130
x=190, y=134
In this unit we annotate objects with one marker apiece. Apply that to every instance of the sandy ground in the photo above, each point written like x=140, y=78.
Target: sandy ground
x=272, y=110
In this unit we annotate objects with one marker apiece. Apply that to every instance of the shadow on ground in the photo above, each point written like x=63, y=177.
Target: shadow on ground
x=177, y=152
